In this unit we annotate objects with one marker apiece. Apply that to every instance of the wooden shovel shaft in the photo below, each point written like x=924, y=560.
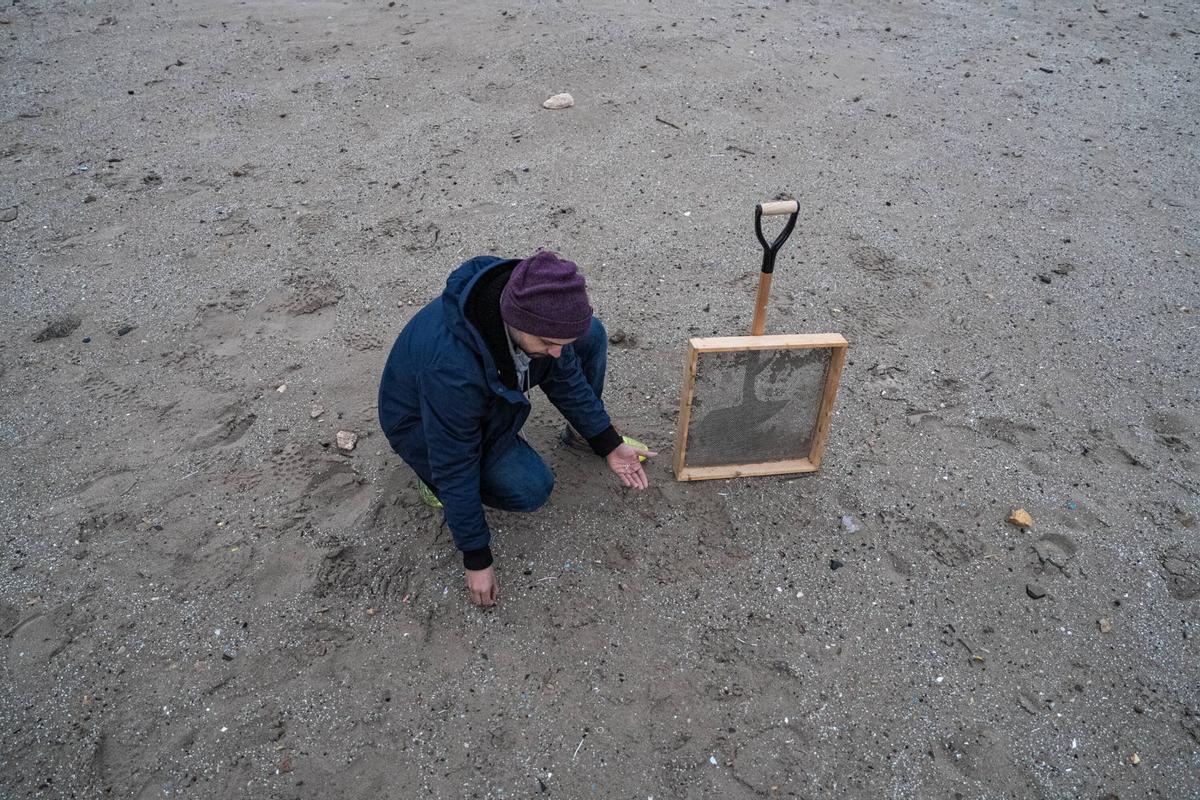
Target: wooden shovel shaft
x=760, y=304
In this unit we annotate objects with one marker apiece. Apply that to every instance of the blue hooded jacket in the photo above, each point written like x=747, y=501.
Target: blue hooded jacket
x=445, y=410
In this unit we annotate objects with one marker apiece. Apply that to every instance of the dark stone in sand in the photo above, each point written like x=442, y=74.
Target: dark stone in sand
x=1035, y=591
x=124, y=329
x=58, y=328
x=620, y=337
x=835, y=564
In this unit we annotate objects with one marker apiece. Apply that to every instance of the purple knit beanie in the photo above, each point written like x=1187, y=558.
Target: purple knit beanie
x=546, y=296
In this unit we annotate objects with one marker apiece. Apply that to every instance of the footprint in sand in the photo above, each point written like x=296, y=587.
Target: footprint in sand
x=233, y=422
x=32, y=643
x=1181, y=569
x=301, y=311
x=363, y=341
x=412, y=236
x=1173, y=430
x=1054, y=552
x=874, y=262
x=107, y=394
x=366, y=574
x=768, y=763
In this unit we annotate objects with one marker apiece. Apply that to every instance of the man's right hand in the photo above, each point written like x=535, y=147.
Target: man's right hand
x=482, y=587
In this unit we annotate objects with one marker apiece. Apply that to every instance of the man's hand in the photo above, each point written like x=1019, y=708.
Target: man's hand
x=482, y=587
x=626, y=462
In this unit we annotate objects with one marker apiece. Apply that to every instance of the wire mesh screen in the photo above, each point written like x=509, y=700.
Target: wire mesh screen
x=754, y=406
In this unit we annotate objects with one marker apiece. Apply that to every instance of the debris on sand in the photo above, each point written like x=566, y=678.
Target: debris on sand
x=849, y=524
x=9, y=214
x=559, y=101
x=316, y=411
x=58, y=328
x=1020, y=517
x=1035, y=591
x=347, y=440
x=622, y=338
x=1105, y=625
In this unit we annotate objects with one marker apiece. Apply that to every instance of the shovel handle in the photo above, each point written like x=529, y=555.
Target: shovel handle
x=777, y=207
x=773, y=209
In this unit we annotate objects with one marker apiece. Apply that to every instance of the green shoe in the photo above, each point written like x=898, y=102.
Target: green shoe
x=427, y=496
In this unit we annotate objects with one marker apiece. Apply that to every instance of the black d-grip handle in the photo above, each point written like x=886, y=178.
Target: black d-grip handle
x=773, y=209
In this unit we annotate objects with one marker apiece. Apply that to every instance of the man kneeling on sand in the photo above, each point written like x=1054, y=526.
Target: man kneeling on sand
x=453, y=395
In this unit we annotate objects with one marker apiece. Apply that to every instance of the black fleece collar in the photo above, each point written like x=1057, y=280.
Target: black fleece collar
x=483, y=311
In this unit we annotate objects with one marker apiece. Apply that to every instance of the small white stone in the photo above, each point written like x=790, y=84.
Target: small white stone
x=281, y=388
x=346, y=440
x=317, y=410
x=559, y=101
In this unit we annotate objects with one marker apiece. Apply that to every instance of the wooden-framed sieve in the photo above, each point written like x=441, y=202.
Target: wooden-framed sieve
x=758, y=405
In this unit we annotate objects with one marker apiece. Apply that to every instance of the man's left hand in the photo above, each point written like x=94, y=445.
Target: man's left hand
x=626, y=462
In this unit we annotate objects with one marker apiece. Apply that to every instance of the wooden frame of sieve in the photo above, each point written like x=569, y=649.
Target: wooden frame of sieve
x=833, y=342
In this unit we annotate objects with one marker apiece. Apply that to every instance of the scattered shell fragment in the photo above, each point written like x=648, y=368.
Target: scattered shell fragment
x=346, y=440
x=281, y=388
x=1020, y=517
x=317, y=410
x=559, y=101
x=1105, y=625
x=1135, y=759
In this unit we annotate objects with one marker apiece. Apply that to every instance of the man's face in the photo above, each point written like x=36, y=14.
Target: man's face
x=538, y=346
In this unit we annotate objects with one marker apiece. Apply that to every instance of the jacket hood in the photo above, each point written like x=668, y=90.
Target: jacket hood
x=454, y=308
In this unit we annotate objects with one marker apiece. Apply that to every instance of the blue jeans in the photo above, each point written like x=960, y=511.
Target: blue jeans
x=517, y=479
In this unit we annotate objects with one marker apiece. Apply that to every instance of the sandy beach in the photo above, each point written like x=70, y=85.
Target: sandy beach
x=218, y=215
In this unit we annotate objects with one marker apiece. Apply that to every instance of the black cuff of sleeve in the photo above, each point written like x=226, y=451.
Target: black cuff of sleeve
x=477, y=559
x=605, y=441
